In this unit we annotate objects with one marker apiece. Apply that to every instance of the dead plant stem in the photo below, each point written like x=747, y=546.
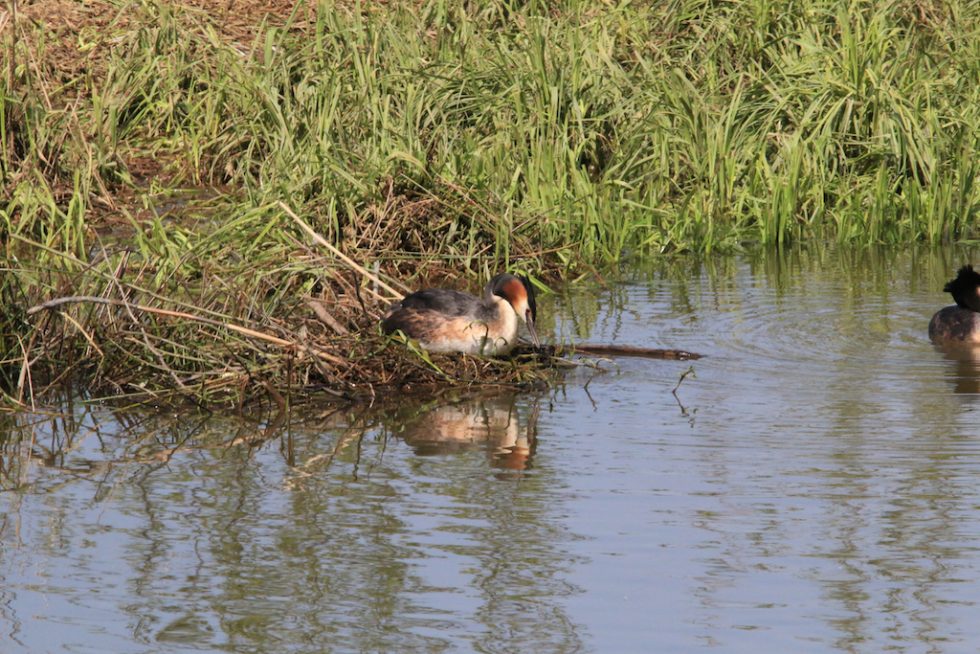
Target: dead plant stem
x=245, y=331
x=340, y=255
x=11, y=69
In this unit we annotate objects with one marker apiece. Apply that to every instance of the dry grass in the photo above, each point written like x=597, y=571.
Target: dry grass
x=300, y=320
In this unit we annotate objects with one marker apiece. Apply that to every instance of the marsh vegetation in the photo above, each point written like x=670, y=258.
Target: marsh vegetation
x=152, y=153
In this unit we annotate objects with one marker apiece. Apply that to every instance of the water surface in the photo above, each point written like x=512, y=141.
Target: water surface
x=808, y=486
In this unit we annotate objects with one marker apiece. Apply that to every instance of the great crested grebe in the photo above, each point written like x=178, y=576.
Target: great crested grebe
x=959, y=324
x=443, y=320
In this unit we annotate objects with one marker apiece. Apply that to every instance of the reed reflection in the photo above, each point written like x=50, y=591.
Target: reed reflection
x=72, y=441
x=490, y=423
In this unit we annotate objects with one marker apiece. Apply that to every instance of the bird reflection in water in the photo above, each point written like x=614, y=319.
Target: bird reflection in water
x=965, y=372
x=492, y=423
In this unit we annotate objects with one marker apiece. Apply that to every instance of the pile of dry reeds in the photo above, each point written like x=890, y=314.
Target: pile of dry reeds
x=283, y=323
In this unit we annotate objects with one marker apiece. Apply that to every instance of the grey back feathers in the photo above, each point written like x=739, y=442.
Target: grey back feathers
x=448, y=302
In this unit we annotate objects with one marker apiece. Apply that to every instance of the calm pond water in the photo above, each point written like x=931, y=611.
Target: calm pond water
x=813, y=485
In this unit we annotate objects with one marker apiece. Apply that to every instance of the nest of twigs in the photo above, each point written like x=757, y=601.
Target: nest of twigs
x=133, y=351
x=313, y=330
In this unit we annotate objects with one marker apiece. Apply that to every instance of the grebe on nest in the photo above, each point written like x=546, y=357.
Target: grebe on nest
x=959, y=324
x=443, y=320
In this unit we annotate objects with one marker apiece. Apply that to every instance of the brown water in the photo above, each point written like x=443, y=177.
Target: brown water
x=812, y=486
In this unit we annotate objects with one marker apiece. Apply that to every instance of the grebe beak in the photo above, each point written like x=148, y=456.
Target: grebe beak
x=529, y=321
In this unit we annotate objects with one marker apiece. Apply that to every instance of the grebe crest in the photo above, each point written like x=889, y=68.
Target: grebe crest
x=445, y=320
x=960, y=323
x=965, y=289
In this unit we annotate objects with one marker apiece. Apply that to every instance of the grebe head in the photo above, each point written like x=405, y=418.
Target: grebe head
x=965, y=289
x=520, y=294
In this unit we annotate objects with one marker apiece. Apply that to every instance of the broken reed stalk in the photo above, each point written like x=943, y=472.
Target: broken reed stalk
x=245, y=331
x=11, y=68
x=628, y=351
x=340, y=255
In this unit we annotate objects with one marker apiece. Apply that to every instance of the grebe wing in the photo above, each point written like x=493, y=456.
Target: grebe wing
x=444, y=301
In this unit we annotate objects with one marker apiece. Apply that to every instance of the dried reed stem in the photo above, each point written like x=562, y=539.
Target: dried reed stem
x=11, y=68
x=340, y=255
x=245, y=331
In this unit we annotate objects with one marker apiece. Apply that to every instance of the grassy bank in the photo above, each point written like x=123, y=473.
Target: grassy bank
x=145, y=149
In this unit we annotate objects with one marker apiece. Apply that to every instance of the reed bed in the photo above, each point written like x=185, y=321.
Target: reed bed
x=151, y=153
x=285, y=318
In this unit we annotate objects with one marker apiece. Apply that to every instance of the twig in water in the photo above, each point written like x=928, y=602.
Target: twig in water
x=595, y=407
x=689, y=371
x=631, y=351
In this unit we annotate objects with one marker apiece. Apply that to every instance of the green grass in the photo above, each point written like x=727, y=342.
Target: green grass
x=480, y=136
x=681, y=125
